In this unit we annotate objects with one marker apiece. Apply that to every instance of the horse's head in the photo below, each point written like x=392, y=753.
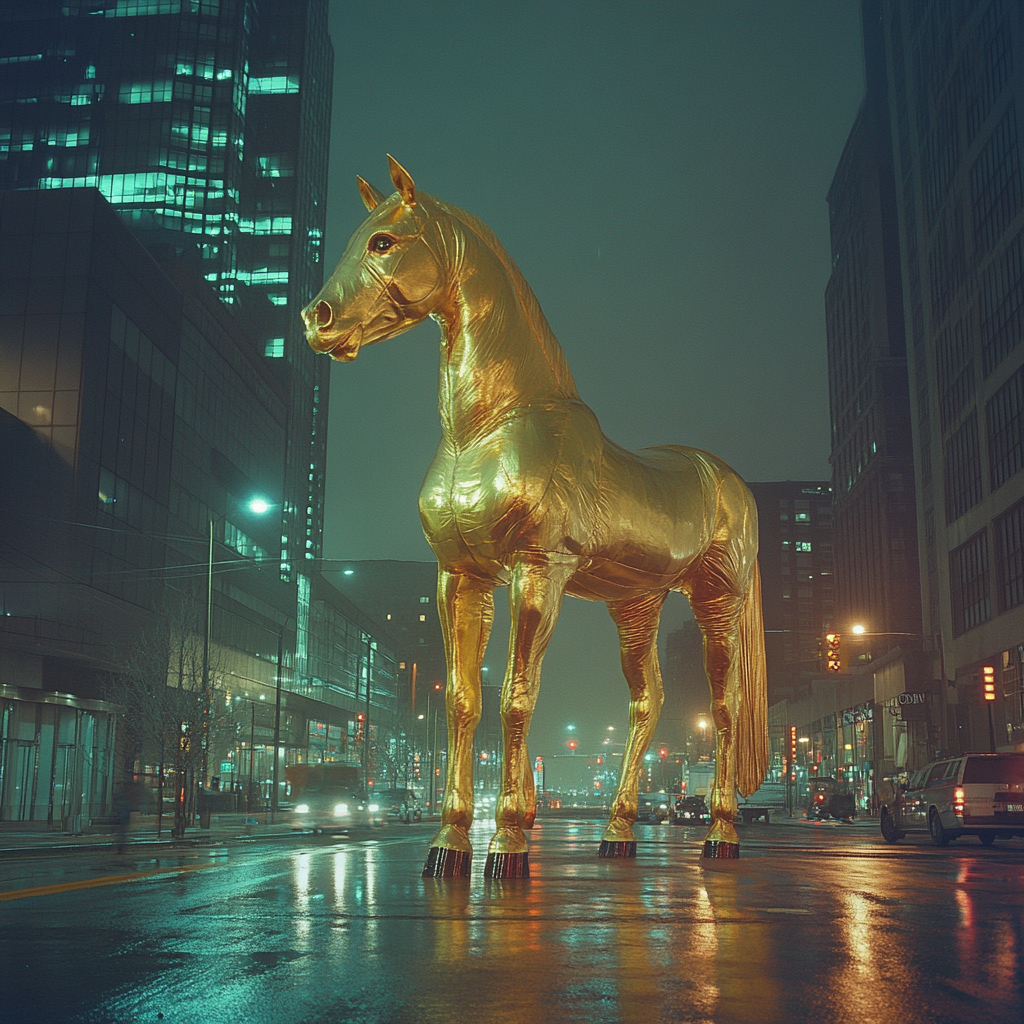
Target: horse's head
x=388, y=279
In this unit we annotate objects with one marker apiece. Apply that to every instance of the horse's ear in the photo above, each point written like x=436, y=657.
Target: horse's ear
x=402, y=181
x=372, y=197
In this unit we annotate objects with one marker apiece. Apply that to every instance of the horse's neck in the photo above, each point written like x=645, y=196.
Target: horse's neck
x=498, y=353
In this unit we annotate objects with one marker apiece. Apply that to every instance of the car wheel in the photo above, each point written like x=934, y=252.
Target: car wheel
x=890, y=833
x=987, y=838
x=940, y=837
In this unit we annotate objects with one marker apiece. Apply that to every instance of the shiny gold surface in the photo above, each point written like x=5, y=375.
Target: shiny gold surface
x=526, y=492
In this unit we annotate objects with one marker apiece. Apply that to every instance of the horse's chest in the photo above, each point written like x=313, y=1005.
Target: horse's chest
x=480, y=501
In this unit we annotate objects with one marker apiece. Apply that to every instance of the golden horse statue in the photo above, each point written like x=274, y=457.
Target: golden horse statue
x=526, y=492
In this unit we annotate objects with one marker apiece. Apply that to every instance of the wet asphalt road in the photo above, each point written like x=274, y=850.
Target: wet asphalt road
x=812, y=924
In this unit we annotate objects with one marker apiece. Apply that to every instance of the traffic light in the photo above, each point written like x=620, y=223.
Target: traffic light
x=571, y=745
x=663, y=753
x=988, y=683
x=832, y=662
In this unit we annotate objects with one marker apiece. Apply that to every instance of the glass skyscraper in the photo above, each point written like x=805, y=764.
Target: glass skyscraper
x=206, y=124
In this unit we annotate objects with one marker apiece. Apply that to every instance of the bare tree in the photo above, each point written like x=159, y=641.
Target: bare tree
x=167, y=706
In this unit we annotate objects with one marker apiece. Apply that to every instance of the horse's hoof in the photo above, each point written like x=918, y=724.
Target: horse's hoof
x=616, y=849
x=445, y=863
x=717, y=849
x=507, y=865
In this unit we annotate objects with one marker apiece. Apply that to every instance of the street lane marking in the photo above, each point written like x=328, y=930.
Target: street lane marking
x=90, y=883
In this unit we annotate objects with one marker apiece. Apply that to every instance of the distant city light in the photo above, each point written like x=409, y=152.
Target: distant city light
x=348, y=572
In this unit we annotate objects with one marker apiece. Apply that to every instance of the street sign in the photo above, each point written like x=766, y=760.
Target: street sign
x=225, y=767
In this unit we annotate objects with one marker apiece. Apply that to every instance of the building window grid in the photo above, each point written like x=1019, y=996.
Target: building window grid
x=1009, y=532
x=996, y=187
x=995, y=67
x=1001, y=305
x=963, y=470
x=969, y=584
x=1005, y=421
x=955, y=371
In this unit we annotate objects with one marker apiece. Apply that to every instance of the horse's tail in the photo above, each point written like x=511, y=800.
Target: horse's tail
x=752, y=728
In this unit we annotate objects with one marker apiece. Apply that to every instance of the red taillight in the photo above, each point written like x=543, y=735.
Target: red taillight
x=820, y=797
x=958, y=800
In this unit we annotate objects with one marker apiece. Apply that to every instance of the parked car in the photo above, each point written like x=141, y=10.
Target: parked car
x=690, y=810
x=972, y=795
x=652, y=810
x=400, y=804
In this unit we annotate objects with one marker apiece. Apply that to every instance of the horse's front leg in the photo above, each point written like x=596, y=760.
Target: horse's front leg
x=535, y=599
x=466, y=609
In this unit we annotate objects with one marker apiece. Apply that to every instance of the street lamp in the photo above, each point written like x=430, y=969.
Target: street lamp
x=258, y=506
x=937, y=640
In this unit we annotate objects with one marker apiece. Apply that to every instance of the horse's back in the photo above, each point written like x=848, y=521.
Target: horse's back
x=658, y=512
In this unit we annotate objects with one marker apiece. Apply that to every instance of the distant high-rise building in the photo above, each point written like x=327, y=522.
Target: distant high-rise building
x=206, y=124
x=797, y=585
x=956, y=96
x=687, y=697
x=876, y=569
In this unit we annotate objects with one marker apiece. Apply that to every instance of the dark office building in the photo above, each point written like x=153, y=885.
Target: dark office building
x=956, y=98
x=797, y=583
x=136, y=423
x=687, y=695
x=206, y=124
x=874, y=503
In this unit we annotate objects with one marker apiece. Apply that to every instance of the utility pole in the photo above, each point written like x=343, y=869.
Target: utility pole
x=366, y=720
x=274, y=773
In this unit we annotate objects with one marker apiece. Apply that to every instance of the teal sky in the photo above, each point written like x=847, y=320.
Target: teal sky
x=658, y=170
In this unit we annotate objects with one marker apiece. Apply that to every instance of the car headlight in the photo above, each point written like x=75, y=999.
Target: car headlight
x=686, y=814
x=373, y=808
x=302, y=809
x=340, y=810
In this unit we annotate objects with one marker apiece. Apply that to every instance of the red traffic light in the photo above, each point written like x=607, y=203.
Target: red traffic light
x=359, y=718
x=571, y=744
x=663, y=753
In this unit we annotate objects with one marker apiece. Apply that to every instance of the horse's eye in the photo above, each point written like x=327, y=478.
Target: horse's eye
x=380, y=243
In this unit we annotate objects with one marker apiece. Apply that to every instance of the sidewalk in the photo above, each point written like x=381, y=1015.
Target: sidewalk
x=21, y=836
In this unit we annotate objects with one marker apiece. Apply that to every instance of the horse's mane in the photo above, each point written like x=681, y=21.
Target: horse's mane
x=538, y=322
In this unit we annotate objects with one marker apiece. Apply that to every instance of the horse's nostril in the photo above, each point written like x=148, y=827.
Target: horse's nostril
x=322, y=313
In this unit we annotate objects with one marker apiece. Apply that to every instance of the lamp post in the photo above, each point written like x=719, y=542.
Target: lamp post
x=426, y=740
x=258, y=506
x=366, y=718
x=274, y=769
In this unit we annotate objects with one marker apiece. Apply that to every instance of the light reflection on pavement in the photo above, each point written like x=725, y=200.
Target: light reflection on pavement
x=827, y=926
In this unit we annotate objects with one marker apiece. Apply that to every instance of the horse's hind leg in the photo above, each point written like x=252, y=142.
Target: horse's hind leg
x=466, y=609
x=535, y=598
x=717, y=601
x=637, y=622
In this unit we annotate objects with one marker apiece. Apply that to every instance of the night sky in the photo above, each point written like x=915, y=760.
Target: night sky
x=658, y=171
